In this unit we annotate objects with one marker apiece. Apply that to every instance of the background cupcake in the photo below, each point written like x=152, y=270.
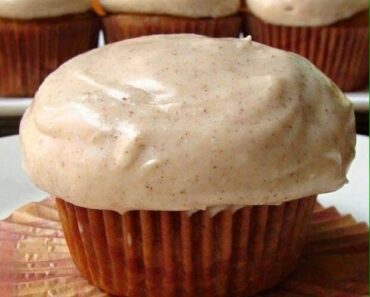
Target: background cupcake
x=134, y=18
x=38, y=36
x=193, y=175
x=333, y=34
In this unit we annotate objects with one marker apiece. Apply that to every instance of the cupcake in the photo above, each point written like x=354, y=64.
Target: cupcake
x=333, y=34
x=194, y=175
x=38, y=36
x=135, y=18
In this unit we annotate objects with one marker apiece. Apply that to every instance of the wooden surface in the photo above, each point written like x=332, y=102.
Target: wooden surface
x=34, y=258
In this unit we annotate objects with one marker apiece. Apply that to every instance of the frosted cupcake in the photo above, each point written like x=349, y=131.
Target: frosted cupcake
x=194, y=175
x=38, y=36
x=333, y=34
x=134, y=18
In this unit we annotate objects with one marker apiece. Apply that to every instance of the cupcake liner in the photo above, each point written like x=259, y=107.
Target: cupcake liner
x=341, y=52
x=34, y=258
x=120, y=26
x=159, y=253
x=30, y=50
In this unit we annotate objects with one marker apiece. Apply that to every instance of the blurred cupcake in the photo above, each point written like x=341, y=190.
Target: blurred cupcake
x=193, y=175
x=134, y=18
x=333, y=34
x=38, y=36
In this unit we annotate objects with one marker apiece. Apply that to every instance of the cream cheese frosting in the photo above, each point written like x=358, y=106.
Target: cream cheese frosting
x=184, y=122
x=305, y=12
x=32, y=9
x=186, y=8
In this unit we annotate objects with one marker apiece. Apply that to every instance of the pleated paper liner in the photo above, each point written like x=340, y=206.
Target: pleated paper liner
x=122, y=26
x=35, y=261
x=168, y=254
x=340, y=51
x=31, y=50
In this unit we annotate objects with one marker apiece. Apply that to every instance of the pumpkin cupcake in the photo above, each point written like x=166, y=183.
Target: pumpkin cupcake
x=194, y=175
x=134, y=18
x=38, y=36
x=333, y=34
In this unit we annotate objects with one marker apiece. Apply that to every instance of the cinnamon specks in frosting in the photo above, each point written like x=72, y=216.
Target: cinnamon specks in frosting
x=184, y=122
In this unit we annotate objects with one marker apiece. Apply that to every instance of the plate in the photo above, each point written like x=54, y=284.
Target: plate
x=360, y=100
x=12, y=107
x=16, y=189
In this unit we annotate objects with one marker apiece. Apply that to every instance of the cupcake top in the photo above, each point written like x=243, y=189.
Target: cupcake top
x=33, y=9
x=185, y=8
x=305, y=12
x=184, y=122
